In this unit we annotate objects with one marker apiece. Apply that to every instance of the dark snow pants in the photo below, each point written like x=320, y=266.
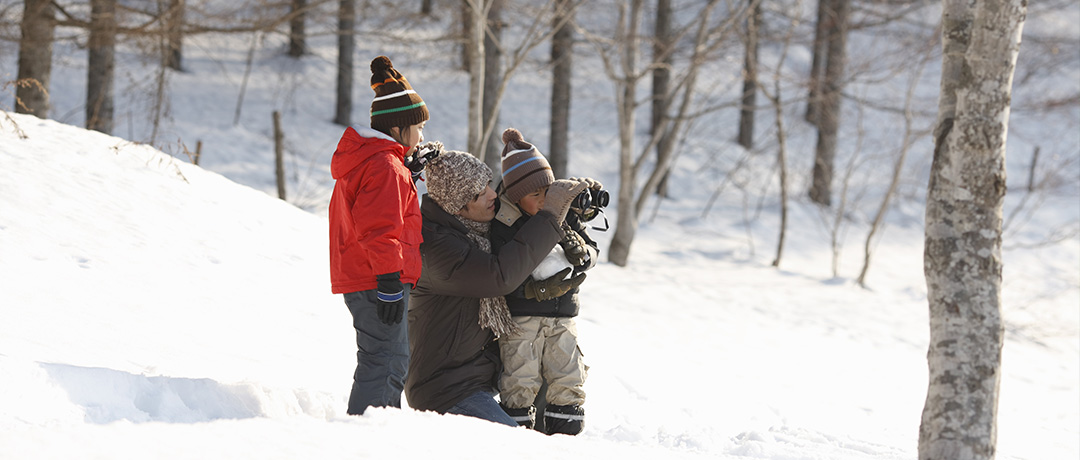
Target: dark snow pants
x=382, y=357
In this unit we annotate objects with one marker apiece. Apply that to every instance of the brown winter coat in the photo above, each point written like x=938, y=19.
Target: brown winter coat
x=451, y=356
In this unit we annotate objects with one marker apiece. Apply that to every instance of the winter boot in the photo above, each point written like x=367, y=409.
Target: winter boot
x=525, y=416
x=564, y=419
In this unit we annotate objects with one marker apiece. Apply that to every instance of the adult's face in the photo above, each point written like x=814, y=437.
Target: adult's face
x=482, y=207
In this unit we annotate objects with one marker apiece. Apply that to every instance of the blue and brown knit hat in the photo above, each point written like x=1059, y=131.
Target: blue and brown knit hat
x=395, y=103
x=524, y=168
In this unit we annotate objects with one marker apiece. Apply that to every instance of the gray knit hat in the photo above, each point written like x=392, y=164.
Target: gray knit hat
x=456, y=178
x=524, y=168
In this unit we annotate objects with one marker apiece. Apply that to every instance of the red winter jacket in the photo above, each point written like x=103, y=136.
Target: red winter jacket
x=374, y=213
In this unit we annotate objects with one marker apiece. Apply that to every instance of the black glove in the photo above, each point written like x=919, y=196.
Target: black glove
x=552, y=287
x=574, y=247
x=390, y=302
x=419, y=159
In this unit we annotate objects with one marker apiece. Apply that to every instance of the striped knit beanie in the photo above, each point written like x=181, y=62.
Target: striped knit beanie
x=456, y=178
x=524, y=168
x=395, y=103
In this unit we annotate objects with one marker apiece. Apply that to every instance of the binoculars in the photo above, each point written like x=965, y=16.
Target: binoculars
x=591, y=197
x=591, y=203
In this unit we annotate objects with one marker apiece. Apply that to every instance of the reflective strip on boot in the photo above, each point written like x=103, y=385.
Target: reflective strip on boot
x=571, y=417
x=524, y=416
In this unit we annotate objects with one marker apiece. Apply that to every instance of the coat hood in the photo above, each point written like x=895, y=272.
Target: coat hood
x=355, y=147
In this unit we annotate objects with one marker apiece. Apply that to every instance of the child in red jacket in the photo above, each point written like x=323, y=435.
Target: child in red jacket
x=375, y=234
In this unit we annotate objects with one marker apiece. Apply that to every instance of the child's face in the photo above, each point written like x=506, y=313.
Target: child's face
x=530, y=204
x=410, y=137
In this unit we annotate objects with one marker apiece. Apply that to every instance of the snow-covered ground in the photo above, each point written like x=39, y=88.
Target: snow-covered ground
x=154, y=309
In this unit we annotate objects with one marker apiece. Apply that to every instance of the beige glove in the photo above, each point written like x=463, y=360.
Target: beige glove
x=559, y=196
x=593, y=183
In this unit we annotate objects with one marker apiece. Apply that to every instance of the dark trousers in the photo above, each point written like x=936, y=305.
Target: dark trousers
x=382, y=357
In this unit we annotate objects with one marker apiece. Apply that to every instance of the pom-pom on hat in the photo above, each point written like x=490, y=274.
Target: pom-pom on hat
x=524, y=168
x=395, y=103
x=456, y=178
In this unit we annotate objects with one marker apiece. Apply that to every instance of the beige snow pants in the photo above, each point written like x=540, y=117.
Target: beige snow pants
x=546, y=350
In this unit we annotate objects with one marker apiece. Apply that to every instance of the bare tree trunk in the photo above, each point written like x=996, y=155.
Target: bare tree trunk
x=661, y=79
x=781, y=137
x=905, y=144
x=493, y=54
x=1031, y=171
x=781, y=160
x=962, y=253
x=35, y=58
x=174, y=31
x=466, y=21
x=626, y=224
x=279, y=154
x=101, y=65
x=837, y=224
x=625, y=76
x=161, y=82
x=244, y=81
x=474, y=50
x=749, y=96
x=346, y=50
x=817, y=65
x=562, y=52
x=297, y=34
x=829, y=116
x=879, y=217
x=536, y=34
x=490, y=87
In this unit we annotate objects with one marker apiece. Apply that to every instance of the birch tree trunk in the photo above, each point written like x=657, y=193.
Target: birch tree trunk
x=35, y=58
x=346, y=50
x=562, y=52
x=962, y=253
x=101, y=49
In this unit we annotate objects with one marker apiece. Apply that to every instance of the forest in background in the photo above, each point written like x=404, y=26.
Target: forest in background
x=834, y=105
x=838, y=98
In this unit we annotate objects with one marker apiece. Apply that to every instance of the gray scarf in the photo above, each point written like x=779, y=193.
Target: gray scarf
x=494, y=313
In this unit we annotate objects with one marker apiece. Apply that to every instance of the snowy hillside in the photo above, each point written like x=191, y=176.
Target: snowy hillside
x=150, y=308
x=155, y=310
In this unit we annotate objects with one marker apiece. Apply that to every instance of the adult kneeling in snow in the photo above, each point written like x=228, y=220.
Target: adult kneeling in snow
x=457, y=310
